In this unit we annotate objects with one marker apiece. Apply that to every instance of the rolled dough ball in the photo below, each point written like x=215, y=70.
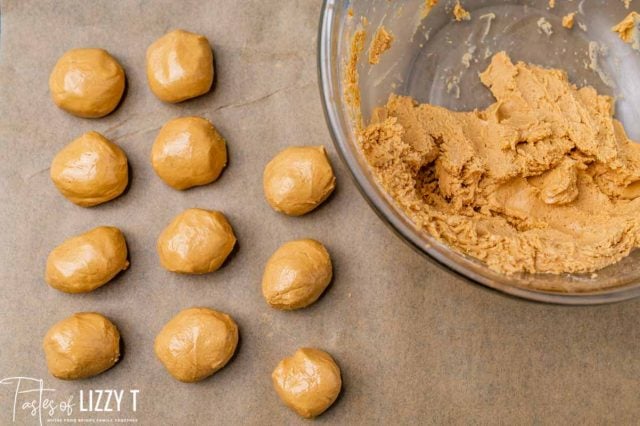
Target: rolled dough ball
x=188, y=152
x=87, y=261
x=197, y=241
x=298, y=180
x=308, y=382
x=91, y=170
x=196, y=343
x=80, y=346
x=180, y=66
x=87, y=82
x=296, y=274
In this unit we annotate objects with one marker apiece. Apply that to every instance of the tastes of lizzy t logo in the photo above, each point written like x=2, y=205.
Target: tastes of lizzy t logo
x=29, y=398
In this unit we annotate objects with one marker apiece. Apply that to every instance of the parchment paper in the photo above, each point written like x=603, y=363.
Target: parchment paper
x=416, y=345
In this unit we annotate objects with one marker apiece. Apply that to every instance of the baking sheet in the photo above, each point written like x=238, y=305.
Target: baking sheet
x=415, y=344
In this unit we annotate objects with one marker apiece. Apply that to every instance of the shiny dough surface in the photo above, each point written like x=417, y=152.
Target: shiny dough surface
x=188, y=152
x=308, y=382
x=90, y=170
x=180, y=66
x=87, y=82
x=87, y=261
x=298, y=179
x=197, y=241
x=296, y=274
x=82, y=345
x=196, y=343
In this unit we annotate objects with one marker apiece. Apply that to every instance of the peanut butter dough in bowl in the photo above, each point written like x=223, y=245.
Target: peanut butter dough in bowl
x=501, y=145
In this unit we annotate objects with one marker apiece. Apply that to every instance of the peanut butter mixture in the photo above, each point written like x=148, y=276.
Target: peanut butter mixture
x=545, y=180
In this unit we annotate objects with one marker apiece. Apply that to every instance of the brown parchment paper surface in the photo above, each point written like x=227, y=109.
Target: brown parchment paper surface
x=416, y=345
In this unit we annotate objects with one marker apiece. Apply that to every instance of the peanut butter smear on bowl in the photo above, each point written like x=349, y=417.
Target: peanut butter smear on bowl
x=381, y=42
x=545, y=180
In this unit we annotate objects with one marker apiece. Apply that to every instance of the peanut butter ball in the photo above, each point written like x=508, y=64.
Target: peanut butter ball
x=87, y=82
x=308, y=382
x=188, y=152
x=296, y=274
x=197, y=241
x=298, y=180
x=180, y=66
x=91, y=170
x=87, y=261
x=196, y=343
x=82, y=345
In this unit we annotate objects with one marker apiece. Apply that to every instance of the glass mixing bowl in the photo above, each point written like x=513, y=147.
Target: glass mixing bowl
x=426, y=63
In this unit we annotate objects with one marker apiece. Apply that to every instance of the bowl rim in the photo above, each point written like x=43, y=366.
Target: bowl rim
x=402, y=229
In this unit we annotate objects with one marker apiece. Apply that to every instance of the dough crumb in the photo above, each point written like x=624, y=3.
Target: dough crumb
x=568, y=20
x=540, y=184
x=629, y=30
x=381, y=42
x=627, y=3
x=460, y=13
x=545, y=26
x=552, y=4
x=426, y=9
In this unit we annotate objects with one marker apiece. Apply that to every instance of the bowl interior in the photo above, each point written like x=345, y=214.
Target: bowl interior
x=437, y=60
